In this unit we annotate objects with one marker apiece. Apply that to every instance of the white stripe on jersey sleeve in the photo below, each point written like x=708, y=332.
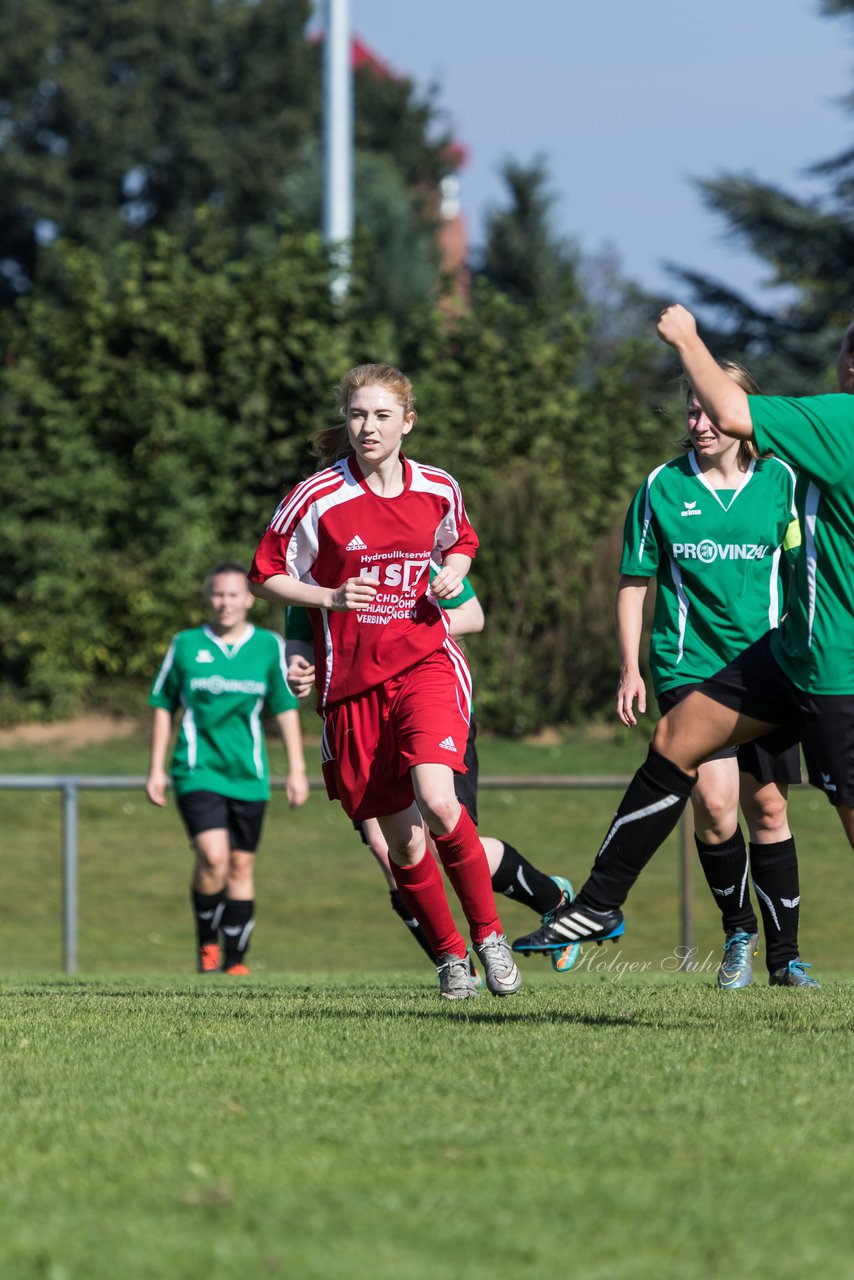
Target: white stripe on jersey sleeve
x=435, y=480
x=165, y=668
x=290, y=504
x=647, y=510
x=793, y=476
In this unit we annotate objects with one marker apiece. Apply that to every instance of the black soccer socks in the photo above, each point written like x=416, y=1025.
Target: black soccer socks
x=649, y=811
x=727, y=873
x=774, y=868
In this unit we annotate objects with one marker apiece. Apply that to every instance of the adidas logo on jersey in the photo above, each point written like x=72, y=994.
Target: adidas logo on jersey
x=448, y=744
x=204, y=655
x=356, y=544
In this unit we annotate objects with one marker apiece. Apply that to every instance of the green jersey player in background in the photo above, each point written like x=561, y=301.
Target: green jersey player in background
x=715, y=528
x=221, y=676
x=799, y=677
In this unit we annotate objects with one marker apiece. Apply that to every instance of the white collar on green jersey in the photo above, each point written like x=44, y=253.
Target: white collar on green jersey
x=229, y=649
x=701, y=476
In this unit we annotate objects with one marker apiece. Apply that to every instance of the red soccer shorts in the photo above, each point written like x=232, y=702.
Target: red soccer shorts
x=371, y=741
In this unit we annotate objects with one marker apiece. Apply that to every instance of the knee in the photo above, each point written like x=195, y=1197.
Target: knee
x=211, y=861
x=716, y=815
x=441, y=812
x=665, y=739
x=406, y=848
x=770, y=817
x=240, y=868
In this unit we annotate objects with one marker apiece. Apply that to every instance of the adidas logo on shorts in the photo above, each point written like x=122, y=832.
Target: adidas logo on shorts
x=448, y=744
x=356, y=544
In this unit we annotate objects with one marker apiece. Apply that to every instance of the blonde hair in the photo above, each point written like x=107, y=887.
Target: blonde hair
x=331, y=443
x=742, y=378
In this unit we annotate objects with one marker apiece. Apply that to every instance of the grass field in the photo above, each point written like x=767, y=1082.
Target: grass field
x=330, y=1117
x=358, y=1129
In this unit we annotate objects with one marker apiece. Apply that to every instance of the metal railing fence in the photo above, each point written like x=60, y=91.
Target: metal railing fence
x=70, y=786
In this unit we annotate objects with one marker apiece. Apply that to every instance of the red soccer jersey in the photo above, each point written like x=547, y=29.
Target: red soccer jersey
x=333, y=527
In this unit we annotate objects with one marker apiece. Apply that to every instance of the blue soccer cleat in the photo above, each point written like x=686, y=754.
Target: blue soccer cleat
x=793, y=975
x=571, y=924
x=736, y=967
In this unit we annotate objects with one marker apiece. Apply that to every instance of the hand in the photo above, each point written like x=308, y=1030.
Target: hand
x=300, y=676
x=297, y=788
x=446, y=584
x=676, y=326
x=355, y=593
x=155, y=788
x=631, y=686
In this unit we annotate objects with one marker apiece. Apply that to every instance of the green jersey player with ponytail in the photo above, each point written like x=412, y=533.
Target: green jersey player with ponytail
x=718, y=531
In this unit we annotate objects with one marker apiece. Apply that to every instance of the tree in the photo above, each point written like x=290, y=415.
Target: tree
x=122, y=116
x=522, y=256
x=809, y=249
x=151, y=417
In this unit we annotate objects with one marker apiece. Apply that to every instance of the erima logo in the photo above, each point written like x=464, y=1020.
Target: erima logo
x=448, y=745
x=724, y=893
x=356, y=544
x=707, y=551
x=826, y=783
x=204, y=655
x=691, y=509
x=790, y=902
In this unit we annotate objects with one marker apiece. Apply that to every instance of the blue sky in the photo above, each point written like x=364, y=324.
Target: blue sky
x=627, y=100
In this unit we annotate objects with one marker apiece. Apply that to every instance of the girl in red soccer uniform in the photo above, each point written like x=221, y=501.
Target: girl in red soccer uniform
x=354, y=544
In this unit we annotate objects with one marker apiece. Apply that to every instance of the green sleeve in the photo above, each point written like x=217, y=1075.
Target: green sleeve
x=298, y=624
x=279, y=696
x=641, y=552
x=814, y=434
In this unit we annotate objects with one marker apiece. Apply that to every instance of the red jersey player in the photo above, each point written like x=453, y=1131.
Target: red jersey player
x=354, y=543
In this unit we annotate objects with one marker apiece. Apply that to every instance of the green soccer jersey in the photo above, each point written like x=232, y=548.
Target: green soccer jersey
x=222, y=688
x=815, y=644
x=298, y=622
x=716, y=557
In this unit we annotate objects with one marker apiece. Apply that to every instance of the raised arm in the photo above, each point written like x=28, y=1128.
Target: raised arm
x=723, y=400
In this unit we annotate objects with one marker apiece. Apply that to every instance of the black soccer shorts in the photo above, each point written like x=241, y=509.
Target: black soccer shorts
x=755, y=684
x=207, y=810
